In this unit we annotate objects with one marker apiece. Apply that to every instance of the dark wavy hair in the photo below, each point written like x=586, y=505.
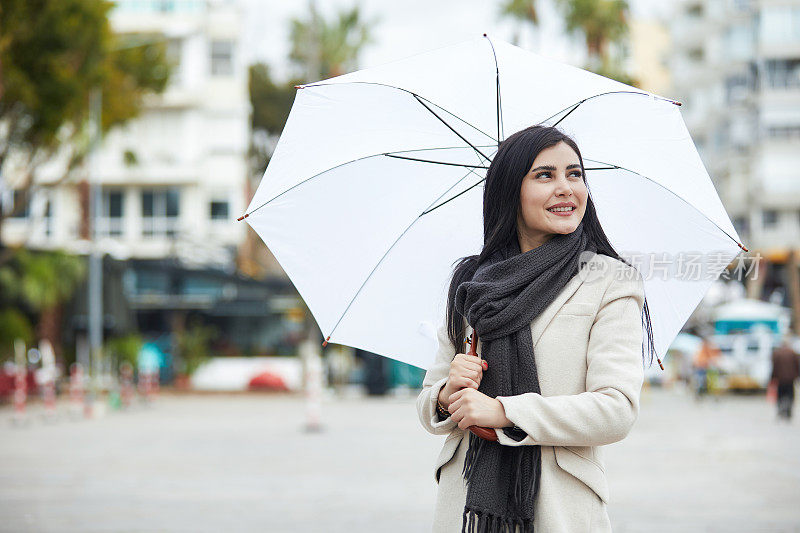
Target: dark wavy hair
x=501, y=204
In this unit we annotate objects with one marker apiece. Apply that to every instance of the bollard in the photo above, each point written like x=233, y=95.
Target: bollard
x=313, y=385
x=20, y=381
x=155, y=383
x=76, y=389
x=49, y=375
x=126, y=377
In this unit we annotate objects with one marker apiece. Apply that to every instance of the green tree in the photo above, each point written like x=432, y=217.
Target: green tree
x=601, y=23
x=523, y=12
x=53, y=55
x=194, y=345
x=125, y=348
x=40, y=282
x=324, y=49
x=13, y=325
x=271, y=103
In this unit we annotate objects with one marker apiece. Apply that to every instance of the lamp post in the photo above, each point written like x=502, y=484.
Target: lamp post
x=95, y=285
x=95, y=296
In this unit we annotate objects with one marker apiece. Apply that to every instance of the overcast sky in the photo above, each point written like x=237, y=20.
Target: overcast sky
x=407, y=27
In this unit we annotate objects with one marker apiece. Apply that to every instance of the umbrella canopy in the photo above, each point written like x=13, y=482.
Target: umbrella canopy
x=375, y=187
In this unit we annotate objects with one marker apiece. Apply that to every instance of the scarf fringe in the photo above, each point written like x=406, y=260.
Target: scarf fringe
x=473, y=452
x=520, y=493
x=474, y=521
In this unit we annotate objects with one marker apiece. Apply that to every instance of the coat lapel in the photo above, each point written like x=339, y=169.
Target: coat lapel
x=541, y=322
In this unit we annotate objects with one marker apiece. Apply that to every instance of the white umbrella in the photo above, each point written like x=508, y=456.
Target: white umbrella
x=375, y=186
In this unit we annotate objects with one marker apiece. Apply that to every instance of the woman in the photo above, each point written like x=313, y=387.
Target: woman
x=558, y=316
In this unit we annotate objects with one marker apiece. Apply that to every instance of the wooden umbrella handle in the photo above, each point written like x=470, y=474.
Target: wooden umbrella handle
x=480, y=431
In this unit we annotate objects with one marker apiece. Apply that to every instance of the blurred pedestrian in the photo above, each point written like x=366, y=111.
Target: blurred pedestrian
x=785, y=369
x=705, y=360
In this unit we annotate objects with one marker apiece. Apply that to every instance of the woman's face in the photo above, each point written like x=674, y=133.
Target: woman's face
x=556, y=177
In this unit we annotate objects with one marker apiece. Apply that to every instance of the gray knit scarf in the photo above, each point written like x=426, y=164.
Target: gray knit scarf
x=506, y=293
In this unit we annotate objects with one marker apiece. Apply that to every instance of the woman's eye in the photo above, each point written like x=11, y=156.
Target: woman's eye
x=575, y=173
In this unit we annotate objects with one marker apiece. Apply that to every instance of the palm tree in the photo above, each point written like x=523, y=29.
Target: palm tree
x=329, y=48
x=523, y=12
x=601, y=22
x=43, y=282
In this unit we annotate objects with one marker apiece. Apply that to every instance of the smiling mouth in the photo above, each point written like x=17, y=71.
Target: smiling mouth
x=562, y=211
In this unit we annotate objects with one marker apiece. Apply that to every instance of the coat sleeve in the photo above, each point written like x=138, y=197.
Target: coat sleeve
x=606, y=412
x=435, y=379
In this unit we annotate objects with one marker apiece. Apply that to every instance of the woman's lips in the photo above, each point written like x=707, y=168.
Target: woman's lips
x=561, y=213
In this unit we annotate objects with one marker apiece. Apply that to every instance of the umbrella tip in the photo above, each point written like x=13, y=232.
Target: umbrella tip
x=325, y=342
x=485, y=35
x=742, y=247
x=298, y=86
x=242, y=217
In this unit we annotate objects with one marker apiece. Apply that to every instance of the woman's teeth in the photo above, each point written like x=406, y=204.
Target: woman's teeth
x=561, y=209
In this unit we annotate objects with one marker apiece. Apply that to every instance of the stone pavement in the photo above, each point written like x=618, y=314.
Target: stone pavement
x=243, y=462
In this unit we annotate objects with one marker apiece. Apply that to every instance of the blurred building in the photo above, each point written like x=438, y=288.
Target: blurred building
x=173, y=178
x=736, y=68
x=647, y=59
x=173, y=182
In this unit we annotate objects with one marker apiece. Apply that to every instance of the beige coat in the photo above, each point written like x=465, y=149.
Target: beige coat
x=588, y=349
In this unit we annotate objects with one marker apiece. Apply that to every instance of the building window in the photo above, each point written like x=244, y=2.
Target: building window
x=697, y=54
x=769, y=217
x=174, y=53
x=218, y=210
x=112, y=214
x=160, y=211
x=20, y=204
x=742, y=225
x=221, y=58
x=780, y=24
x=784, y=132
x=48, y=218
x=695, y=11
x=783, y=73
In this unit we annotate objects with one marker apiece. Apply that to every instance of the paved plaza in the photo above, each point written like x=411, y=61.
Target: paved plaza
x=243, y=462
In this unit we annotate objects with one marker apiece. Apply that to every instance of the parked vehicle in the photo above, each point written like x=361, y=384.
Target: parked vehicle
x=746, y=331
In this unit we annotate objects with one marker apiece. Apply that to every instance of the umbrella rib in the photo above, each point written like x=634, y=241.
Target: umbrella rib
x=570, y=111
x=609, y=167
x=613, y=166
x=574, y=106
x=484, y=179
x=405, y=91
x=435, y=162
x=443, y=121
x=353, y=299
x=453, y=197
x=354, y=161
x=500, y=129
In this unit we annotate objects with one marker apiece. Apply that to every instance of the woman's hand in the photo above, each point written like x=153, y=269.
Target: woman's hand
x=470, y=407
x=465, y=371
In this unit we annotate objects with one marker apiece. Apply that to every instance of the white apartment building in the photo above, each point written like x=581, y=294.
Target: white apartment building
x=173, y=179
x=736, y=68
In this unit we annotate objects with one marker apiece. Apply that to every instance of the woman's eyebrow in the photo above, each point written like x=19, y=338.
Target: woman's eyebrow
x=551, y=167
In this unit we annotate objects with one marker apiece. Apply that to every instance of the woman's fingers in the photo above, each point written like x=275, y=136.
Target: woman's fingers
x=463, y=381
x=469, y=359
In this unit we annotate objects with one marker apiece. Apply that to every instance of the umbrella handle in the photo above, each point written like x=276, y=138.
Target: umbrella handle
x=480, y=431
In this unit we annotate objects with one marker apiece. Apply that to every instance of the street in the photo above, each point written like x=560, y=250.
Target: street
x=243, y=462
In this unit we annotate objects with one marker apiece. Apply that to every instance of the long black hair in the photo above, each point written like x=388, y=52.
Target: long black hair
x=501, y=206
